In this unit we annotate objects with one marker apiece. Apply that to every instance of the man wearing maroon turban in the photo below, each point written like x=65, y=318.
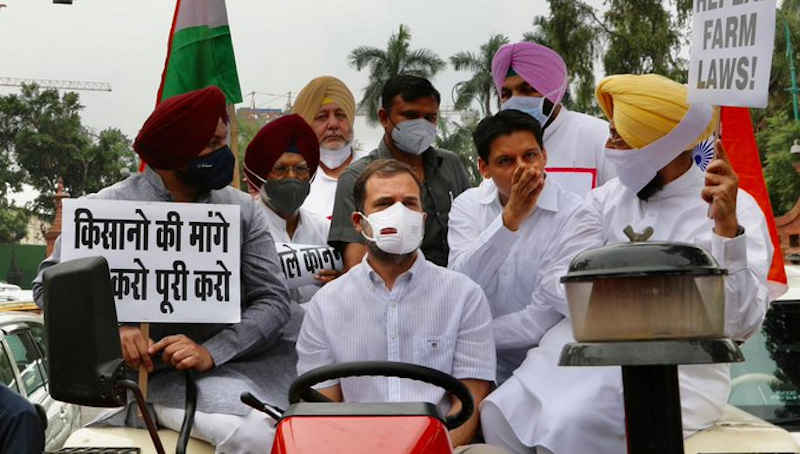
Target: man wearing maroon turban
x=183, y=143
x=280, y=163
x=532, y=78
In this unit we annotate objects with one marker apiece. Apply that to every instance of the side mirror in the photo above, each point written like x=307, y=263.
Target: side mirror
x=83, y=339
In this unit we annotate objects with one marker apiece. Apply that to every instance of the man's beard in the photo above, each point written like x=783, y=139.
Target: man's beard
x=386, y=257
x=652, y=187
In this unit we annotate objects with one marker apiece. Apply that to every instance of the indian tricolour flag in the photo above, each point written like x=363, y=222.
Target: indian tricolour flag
x=200, y=51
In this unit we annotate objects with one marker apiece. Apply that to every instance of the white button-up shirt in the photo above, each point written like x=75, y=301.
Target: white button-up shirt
x=576, y=140
x=505, y=264
x=580, y=409
x=432, y=316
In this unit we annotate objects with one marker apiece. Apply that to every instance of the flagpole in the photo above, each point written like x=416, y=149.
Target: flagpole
x=234, y=141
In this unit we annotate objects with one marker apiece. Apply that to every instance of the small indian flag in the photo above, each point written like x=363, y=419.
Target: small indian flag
x=200, y=51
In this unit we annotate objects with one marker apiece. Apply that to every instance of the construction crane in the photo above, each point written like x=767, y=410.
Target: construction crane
x=59, y=84
x=272, y=96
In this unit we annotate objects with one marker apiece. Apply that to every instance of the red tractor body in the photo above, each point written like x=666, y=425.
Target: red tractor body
x=403, y=428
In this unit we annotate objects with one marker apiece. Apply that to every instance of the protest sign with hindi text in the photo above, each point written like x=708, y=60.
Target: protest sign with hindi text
x=169, y=262
x=731, y=56
x=300, y=262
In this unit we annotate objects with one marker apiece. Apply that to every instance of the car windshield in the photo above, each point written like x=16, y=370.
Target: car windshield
x=767, y=384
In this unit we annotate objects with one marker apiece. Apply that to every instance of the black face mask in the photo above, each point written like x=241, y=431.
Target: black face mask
x=285, y=196
x=212, y=171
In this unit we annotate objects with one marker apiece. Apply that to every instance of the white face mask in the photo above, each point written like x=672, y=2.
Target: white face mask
x=636, y=167
x=414, y=136
x=531, y=105
x=334, y=158
x=409, y=226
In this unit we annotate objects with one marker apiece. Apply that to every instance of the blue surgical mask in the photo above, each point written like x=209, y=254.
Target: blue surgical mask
x=212, y=171
x=531, y=105
x=414, y=136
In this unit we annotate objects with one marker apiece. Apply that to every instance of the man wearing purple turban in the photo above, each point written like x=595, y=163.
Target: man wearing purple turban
x=533, y=79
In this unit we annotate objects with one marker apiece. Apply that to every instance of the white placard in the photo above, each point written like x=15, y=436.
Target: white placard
x=577, y=180
x=300, y=262
x=732, y=43
x=169, y=262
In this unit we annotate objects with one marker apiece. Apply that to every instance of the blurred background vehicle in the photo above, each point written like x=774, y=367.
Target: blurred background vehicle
x=767, y=384
x=23, y=368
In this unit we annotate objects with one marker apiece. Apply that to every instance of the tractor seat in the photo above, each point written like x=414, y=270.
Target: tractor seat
x=739, y=431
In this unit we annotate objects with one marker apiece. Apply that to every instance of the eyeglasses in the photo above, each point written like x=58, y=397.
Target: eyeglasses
x=300, y=171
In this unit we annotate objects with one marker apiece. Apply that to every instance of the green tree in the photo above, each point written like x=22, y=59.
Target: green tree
x=13, y=222
x=50, y=142
x=783, y=182
x=396, y=59
x=249, y=126
x=779, y=80
x=480, y=87
x=457, y=137
x=570, y=31
x=645, y=37
x=12, y=112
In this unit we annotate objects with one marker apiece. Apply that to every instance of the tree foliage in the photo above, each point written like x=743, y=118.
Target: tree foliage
x=13, y=222
x=780, y=80
x=397, y=58
x=480, y=87
x=782, y=179
x=11, y=121
x=457, y=137
x=570, y=31
x=644, y=37
x=44, y=140
x=248, y=128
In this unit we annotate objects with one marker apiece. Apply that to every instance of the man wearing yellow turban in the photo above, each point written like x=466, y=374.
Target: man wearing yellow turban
x=328, y=106
x=564, y=410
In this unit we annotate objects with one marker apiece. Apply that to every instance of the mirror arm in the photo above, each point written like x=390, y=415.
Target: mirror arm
x=188, y=414
x=148, y=420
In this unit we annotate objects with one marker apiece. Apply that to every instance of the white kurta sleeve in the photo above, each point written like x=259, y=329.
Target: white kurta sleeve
x=523, y=329
x=478, y=253
x=747, y=258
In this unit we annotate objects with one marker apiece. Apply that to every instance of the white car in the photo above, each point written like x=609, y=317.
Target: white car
x=23, y=368
x=11, y=292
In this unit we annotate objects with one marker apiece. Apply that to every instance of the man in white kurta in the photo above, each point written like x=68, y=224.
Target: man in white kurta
x=498, y=232
x=279, y=163
x=548, y=408
x=533, y=78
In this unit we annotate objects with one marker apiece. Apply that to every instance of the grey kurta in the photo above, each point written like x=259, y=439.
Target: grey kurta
x=242, y=352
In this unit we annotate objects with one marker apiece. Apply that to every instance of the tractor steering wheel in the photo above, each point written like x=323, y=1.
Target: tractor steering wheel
x=302, y=388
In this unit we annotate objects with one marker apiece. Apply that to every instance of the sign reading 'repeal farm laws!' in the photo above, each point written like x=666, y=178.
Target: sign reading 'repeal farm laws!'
x=169, y=262
x=731, y=57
